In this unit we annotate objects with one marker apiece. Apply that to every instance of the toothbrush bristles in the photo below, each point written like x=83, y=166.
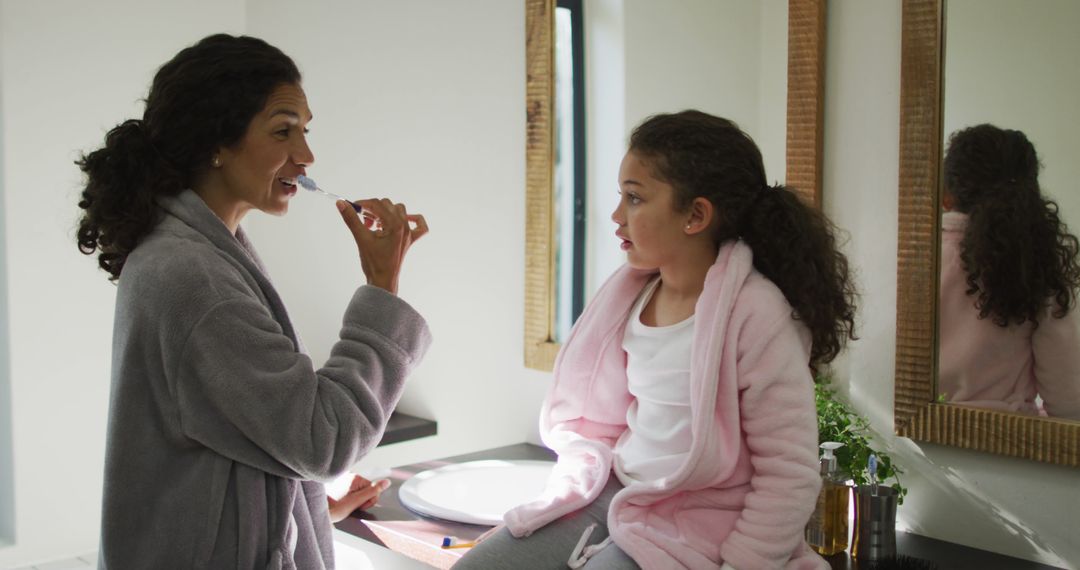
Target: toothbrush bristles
x=309, y=184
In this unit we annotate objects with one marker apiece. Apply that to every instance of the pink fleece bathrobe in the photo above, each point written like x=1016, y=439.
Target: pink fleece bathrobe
x=747, y=489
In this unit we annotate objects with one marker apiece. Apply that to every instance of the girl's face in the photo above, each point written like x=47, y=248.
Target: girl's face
x=260, y=170
x=651, y=229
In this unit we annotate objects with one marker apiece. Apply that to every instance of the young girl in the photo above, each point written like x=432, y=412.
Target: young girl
x=1009, y=327
x=682, y=407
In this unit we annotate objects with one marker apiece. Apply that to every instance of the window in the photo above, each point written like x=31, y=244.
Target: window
x=569, y=179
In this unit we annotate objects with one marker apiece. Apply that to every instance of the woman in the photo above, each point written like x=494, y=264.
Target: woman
x=220, y=427
x=1009, y=327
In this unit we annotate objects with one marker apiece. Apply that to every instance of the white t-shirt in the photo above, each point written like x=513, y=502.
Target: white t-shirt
x=657, y=439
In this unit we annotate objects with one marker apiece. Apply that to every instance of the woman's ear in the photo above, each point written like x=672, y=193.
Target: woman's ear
x=700, y=216
x=946, y=201
x=217, y=157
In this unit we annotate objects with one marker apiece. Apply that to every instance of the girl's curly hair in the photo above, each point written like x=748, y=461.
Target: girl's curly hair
x=201, y=100
x=1018, y=254
x=794, y=246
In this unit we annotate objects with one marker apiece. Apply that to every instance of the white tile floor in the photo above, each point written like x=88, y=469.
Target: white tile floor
x=87, y=561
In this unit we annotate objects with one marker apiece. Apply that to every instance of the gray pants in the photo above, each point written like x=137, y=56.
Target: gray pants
x=551, y=545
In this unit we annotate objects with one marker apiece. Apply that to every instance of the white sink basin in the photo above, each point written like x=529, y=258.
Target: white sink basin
x=477, y=492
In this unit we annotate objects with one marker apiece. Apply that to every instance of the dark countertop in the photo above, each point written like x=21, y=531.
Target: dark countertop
x=403, y=427
x=946, y=555
x=395, y=527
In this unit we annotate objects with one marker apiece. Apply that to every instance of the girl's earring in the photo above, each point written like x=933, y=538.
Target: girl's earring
x=216, y=161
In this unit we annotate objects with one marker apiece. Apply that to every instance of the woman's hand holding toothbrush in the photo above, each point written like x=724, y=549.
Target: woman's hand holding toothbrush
x=382, y=250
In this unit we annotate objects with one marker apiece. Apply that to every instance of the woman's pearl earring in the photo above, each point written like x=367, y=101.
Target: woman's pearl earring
x=216, y=161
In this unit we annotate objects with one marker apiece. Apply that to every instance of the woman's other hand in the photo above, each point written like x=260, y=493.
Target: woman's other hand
x=362, y=494
x=382, y=250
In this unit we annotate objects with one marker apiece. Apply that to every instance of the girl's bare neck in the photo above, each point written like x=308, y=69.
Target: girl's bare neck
x=677, y=293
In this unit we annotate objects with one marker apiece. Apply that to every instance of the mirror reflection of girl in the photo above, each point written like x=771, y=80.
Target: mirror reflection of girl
x=682, y=408
x=221, y=429
x=1008, y=325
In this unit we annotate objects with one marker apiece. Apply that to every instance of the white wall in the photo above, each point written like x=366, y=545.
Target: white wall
x=769, y=128
x=7, y=466
x=69, y=71
x=1013, y=64
x=404, y=108
x=1020, y=508
x=423, y=102
x=607, y=130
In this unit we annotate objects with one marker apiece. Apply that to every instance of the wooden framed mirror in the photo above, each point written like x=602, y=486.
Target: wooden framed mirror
x=918, y=414
x=803, y=160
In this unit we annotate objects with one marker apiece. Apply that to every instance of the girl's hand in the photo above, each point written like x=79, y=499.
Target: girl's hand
x=382, y=250
x=362, y=495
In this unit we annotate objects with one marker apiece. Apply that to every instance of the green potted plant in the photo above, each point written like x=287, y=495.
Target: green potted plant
x=838, y=422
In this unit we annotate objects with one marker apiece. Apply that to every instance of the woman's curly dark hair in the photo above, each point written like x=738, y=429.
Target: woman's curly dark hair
x=794, y=246
x=200, y=101
x=1017, y=253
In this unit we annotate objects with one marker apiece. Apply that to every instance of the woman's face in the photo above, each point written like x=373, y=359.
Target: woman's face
x=260, y=170
x=650, y=227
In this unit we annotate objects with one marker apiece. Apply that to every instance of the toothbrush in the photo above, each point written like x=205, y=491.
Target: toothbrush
x=460, y=545
x=309, y=184
x=871, y=467
x=452, y=542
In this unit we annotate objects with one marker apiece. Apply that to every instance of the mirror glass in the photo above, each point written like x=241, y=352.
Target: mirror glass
x=1012, y=65
x=643, y=57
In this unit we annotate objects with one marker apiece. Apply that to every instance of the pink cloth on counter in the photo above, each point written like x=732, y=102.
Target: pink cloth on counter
x=984, y=365
x=750, y=482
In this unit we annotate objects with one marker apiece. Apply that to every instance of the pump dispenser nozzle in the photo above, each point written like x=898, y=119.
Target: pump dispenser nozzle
x=828, y=460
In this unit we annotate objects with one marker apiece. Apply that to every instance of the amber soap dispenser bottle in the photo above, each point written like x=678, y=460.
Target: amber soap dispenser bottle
x=827, y=531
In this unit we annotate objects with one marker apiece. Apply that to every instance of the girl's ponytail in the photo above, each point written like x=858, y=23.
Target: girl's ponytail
x=794, y=246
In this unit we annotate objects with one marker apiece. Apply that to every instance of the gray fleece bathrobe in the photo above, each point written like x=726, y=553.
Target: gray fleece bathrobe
x=218, y=422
